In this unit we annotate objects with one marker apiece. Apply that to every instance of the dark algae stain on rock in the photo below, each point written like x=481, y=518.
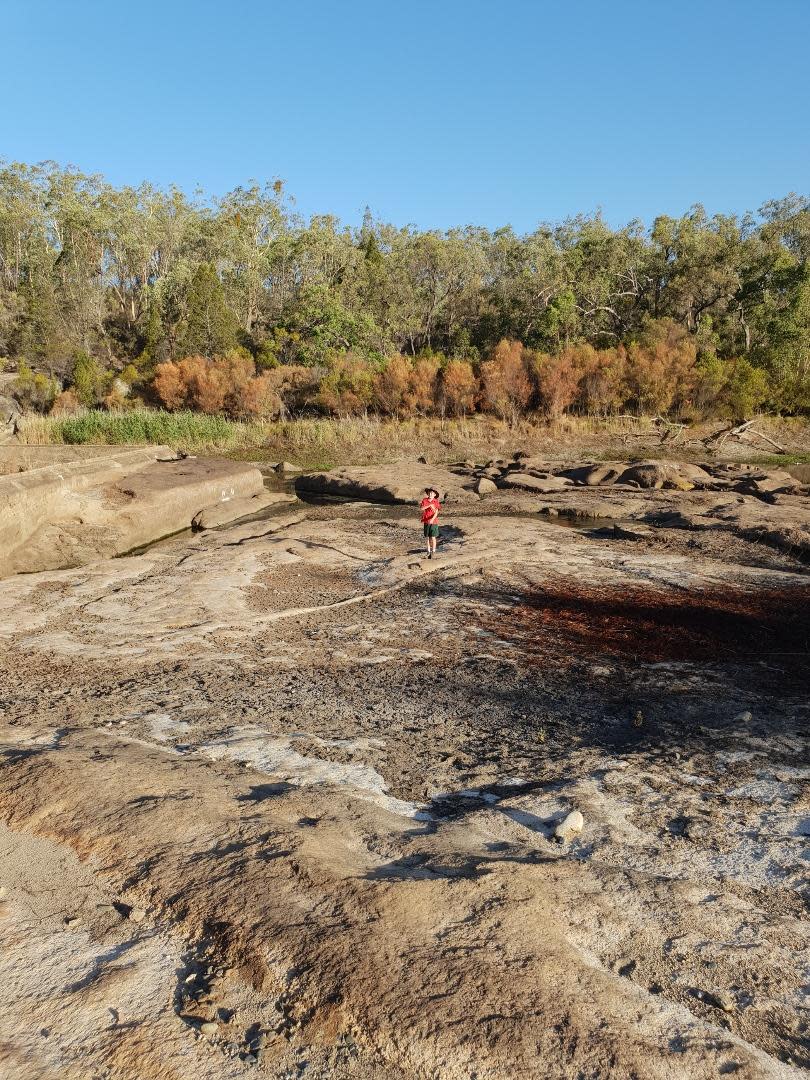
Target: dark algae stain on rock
x=571, y=619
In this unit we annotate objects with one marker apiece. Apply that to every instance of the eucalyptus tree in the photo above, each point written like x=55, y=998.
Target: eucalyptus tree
x=607, y=273
x=698, y=265
x=436, y=279
x=249, y=225
x=28, y=307
x=524, y=275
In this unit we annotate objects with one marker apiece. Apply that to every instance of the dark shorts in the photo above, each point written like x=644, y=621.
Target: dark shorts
x=431, y=530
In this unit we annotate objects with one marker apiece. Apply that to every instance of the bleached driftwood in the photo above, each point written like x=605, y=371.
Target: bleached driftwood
x=742, y=432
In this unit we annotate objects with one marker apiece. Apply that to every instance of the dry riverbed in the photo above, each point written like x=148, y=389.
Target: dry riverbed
x=282, y=798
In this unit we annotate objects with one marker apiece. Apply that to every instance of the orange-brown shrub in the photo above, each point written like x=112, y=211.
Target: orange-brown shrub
x=507, y=388
x=602, y=381
x=391, y=385
x=66, y=404
x=347, y=387
x=256, y=398
x=206, y=383
x=557, y=380
x=458, y=389
x=223, y=384
x=296, y=386
x=170, y=385
x=421, y=393
x=661, y=367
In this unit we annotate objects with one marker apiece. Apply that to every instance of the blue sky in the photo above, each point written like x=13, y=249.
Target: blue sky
x=440, y=113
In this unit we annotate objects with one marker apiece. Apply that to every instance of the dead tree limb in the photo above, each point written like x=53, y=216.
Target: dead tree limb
x=741, y=432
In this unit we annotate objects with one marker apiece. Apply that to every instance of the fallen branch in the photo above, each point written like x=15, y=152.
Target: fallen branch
x=741, y=432
x=759, y=435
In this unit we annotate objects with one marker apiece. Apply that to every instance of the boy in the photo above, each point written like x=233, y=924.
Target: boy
x=430, y=507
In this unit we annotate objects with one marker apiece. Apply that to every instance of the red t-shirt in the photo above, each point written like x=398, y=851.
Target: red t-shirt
x=429, y=507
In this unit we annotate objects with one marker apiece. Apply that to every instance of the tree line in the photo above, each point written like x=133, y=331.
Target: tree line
x=110, y=295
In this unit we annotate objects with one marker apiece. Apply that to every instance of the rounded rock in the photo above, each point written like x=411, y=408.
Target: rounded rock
x=571, y=826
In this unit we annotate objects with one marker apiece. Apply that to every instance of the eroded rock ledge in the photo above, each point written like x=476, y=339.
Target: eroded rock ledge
x=74, y=511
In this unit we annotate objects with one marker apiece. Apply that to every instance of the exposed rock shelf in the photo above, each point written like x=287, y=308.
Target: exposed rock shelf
x=74, y=512
x=284, y=797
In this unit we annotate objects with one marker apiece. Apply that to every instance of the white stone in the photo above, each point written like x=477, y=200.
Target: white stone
x=571, y=826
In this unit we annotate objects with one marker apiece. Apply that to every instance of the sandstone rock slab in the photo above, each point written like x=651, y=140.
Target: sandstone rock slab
x=403, y=482
x=526, y=481
x=232, y=509
x=59, y=517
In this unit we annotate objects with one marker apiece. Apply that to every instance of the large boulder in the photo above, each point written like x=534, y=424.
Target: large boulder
x=37, y=495
x=679, y=475
x=401, y=482
x=768, y=483
x=647, y=474
x=592, y=475
x=698, y=475
x=543, y=485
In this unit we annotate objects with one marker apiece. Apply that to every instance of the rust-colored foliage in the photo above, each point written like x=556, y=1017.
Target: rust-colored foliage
x=558, y=379
x=169, y=385
x=347, y=387
x=223, y=384
x=257, y=398
x=295, y=386
x=602, y=379
x=507, y=388
x=656, y=373
x=661, y=367
x=206, y=383
x=565, y=620
x=458, y=388
x=391, y=387
x=66, y=404
x=421, y=394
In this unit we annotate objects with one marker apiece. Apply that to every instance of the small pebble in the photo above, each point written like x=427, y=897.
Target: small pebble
x=137, y=914
x=209, y=1029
